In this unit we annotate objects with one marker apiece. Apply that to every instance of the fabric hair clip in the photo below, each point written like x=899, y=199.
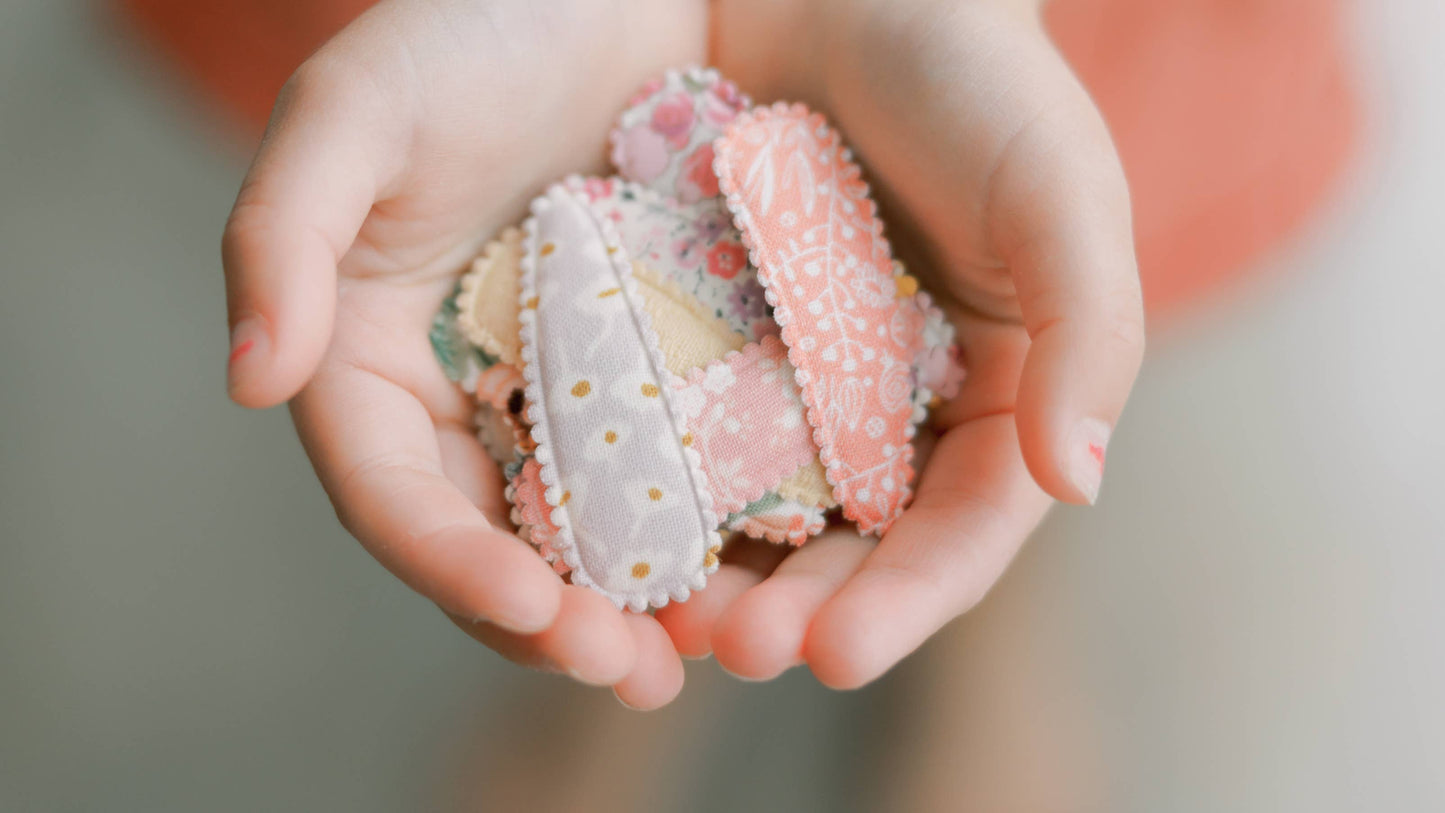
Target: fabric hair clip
x=715, y=340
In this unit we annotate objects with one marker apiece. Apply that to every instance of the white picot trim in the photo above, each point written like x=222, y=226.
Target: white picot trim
x=565, y=543
x=813, y=517
x=743, y=220
x=923, y=394
x=645, y=195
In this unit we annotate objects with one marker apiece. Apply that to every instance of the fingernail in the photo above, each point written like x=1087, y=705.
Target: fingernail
x=626, y=704
x=1087, y=446
x=743, y=678
x=248, y=338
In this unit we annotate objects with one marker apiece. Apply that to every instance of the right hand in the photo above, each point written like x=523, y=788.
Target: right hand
x=393, y=154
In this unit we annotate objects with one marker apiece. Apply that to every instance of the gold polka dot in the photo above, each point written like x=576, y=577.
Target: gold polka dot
x=581, y=388
x=612, y=249
x=711, y=558
x=640, y=570
x=654, y=494
x=687, y=439
x=566, y=495
x=610, y=437
x=907, y=286
x=532, y=304
x=609, y=292
x=650, y=390
x=548, y=248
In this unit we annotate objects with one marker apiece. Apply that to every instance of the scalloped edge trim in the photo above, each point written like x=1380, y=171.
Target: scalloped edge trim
x=751, y=353
x=810, y=530
x=930, y=310
x=851, y=172
x=790, y=490
x=565, y=543
x=529, y=531
x=473, y=282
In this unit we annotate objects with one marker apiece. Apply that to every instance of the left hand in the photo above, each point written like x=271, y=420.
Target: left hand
x=1002, y=190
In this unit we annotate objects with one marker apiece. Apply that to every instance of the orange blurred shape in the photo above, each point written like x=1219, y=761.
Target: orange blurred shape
x=1233, y=117
x=241, y=51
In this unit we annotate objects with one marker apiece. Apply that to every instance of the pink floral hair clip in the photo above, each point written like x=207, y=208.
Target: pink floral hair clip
x=716, y=340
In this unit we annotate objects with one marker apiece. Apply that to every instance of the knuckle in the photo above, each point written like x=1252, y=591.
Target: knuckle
x=1126, y=328
x=244, y=232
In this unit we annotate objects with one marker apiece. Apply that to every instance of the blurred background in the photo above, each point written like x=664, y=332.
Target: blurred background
x=1251, y=620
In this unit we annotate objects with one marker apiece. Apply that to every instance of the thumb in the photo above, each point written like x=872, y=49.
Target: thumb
x=304, y=199
x=1064, y=229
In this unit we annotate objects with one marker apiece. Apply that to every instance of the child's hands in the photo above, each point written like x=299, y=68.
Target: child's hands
x=412, y=137
x=393, y=154
x=1001, y=189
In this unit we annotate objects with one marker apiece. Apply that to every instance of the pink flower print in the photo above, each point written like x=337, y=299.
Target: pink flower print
x=726, y=259
x=698, y=180
x=687, y=253
x=641, y=154
x=718, y=109
x=652, y=86
x=728, y=93
x=673, y=119
x=711, y=227
x=748, y=304
x=597, y=188
x=940, y=371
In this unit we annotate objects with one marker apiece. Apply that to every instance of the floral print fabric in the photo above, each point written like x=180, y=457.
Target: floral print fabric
x=658, y=356
x=634, y=519
x=695, y=245
x=487, y=302
x=665, y=137
x=745, y=420
x=778, y=519
x=820, y=253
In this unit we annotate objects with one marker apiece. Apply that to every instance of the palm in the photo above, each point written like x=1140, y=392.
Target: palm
x=420, y=131
x=972, y=131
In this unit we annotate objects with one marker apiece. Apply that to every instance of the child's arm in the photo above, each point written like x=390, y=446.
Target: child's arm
x=1002, y=190
x=401, y=145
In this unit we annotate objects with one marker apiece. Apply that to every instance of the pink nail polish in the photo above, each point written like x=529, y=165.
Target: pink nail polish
x=242, y=349
x=246, y=337
x=1087, y=447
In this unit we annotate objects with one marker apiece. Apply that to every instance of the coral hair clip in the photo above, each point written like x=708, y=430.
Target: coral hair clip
x=716, y=340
